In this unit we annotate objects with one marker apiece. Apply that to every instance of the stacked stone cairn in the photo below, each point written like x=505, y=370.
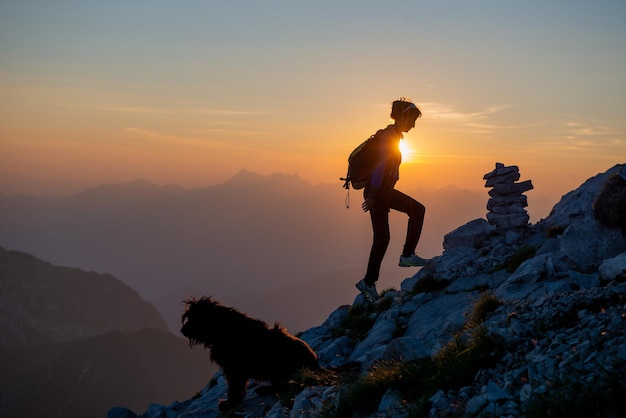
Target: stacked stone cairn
x=507, y=203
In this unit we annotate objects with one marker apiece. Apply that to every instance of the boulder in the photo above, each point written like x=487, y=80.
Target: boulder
x=434, y=323
x=405, y=349
x=379, y=336
x=578, y=203
x=587, y=243
x=613, y=268
x=473, y=235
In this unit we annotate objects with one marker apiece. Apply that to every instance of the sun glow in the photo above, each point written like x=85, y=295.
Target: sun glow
x=407, y=152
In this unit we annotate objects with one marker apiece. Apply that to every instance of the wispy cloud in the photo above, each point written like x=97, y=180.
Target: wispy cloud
x=155, y=137
x=485, y=122
x=444, y=112
x=206, y=139
x=116, y=108
x=482, y=122
x=589, y=137
x=580, y=139
x=230, y=132
x=126, y=109
x=577, y=129
x=227, y=112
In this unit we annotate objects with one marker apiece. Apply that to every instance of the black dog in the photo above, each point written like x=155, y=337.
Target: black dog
x=244, y=347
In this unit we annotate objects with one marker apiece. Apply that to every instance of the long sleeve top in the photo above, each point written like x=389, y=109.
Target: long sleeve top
x=387, y=170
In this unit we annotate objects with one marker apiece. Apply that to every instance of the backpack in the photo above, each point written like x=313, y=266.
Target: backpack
x=361, y=163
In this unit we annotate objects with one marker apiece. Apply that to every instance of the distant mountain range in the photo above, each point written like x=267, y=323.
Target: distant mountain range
x=250, y=234
x=41, y=303
x=75, y=343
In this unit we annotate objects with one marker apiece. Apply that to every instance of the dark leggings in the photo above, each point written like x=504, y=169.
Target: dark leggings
x=380, y=226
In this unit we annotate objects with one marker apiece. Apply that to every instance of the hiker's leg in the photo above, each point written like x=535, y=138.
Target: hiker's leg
x=416, y=211
x=380, y=228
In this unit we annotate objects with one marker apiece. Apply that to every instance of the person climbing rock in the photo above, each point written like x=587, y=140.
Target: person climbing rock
x=381, y=196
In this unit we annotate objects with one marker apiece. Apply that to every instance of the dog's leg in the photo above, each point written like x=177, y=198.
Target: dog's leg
x=280, y=385
x=237, y=385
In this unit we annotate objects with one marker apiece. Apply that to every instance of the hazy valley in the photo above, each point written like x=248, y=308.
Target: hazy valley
x=251, y=234
x=73, y=343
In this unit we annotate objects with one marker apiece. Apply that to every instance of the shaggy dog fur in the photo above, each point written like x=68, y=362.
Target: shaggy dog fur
x=244, y=347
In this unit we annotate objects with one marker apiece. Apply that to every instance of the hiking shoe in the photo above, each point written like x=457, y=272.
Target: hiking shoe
x=412, y=260
x=368, y=291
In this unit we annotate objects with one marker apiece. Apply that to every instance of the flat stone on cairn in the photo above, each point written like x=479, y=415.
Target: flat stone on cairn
x=507, y=203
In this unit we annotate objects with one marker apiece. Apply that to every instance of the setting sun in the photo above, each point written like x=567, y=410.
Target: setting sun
x=407, y=152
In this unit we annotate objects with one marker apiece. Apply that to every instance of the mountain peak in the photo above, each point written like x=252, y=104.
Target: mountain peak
x=244, y=176
x=26, y=276
x=131, y=191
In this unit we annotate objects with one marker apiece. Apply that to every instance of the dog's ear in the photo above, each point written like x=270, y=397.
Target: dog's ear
x=190, y=302
x=208, y=300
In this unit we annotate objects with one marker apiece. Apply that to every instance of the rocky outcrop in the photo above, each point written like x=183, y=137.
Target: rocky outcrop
x=559, y=324
x=609, y=207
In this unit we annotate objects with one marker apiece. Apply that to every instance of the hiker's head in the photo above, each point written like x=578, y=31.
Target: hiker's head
x=404, y=112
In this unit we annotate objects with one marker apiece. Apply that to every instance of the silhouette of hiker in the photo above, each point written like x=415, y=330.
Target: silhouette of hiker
x=380, y=197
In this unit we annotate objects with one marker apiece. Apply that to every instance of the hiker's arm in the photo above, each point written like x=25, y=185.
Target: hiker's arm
x=368, y=204
x=378, y=175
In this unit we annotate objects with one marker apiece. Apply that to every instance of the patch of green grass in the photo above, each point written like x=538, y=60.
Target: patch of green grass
x=365, y=393
x=361, y=318
x=487, y=303
x=315, y=377
x=357, y=323
x=383, y=304
x=513, y=262
x=304, y=378
x=454, y=366
x=390, y=289
x=428, y=284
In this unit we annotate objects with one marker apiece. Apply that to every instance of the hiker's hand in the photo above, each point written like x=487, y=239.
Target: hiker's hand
x=368, y=204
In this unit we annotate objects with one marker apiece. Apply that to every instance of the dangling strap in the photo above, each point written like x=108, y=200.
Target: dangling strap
x=346, y=185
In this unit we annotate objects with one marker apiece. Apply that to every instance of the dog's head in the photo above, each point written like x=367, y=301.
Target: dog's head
x=199, y=320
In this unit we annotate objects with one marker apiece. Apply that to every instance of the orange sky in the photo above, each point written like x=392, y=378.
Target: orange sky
x=110, y=93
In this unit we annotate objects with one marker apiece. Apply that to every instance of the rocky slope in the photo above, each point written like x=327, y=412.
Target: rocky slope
x=523, y=321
